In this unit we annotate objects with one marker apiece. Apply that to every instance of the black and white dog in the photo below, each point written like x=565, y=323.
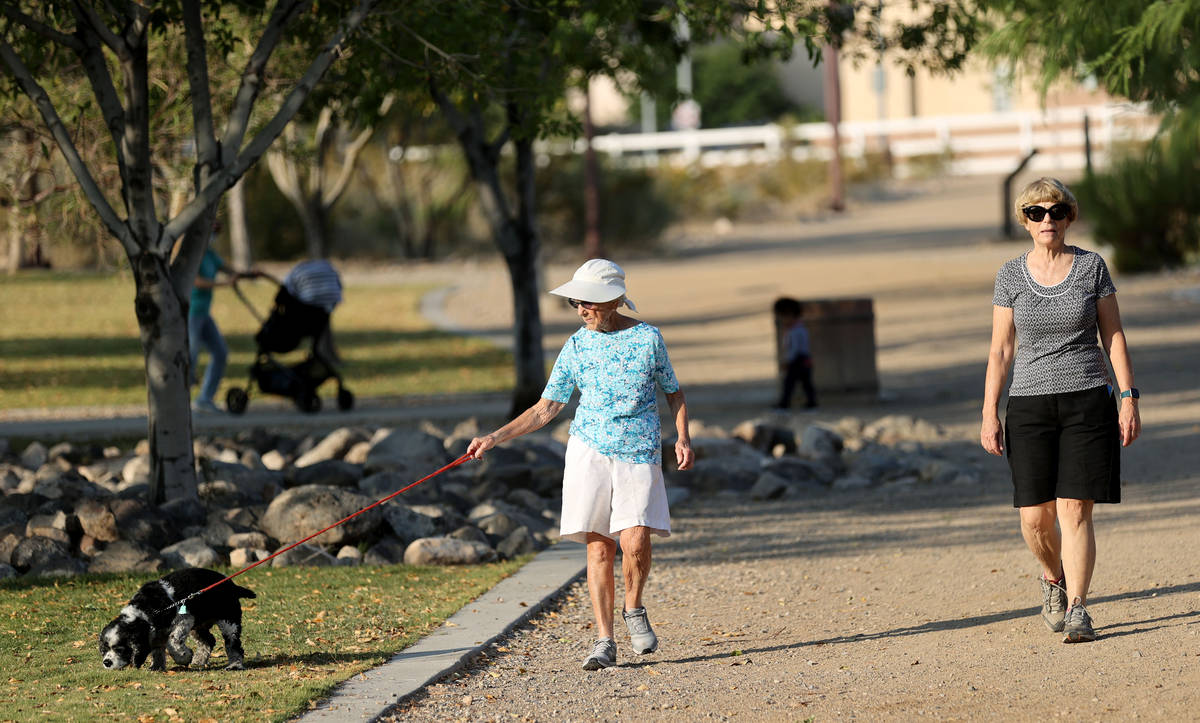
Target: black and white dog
x=150, y=625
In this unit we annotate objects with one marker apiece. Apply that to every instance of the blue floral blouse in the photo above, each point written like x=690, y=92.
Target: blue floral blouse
x=616, y=373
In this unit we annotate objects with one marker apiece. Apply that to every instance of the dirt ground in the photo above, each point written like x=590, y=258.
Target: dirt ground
x=889, y=603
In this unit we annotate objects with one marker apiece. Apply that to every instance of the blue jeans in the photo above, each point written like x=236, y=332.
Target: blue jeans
x=203, y=333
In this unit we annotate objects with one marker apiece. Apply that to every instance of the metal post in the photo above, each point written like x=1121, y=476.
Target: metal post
x=1087, y=144
x=1007, y=210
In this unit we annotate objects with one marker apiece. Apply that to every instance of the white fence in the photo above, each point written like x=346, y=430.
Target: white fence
x=968, y=144
x=961, y=144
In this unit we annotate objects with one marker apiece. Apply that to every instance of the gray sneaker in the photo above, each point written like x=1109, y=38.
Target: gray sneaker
x=1054, y=603
x=604, y=655
x=641, y=635
x=1078, y=626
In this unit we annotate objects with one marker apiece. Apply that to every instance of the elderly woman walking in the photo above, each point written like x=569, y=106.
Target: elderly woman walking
x=613, y=487
x=1063, y=432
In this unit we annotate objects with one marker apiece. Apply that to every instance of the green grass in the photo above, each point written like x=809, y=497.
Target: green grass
x=70, y=340
x=308, y=630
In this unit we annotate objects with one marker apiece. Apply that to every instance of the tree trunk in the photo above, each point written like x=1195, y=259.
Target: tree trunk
x=524, y=263
x=593, y=246
x=15, y=238
x=162, y=322
x=833, y=114
x=315, y=217
x=239, y=231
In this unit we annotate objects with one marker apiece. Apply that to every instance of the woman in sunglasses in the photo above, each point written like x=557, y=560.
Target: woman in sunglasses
x=1063, y=432
x=613, y=484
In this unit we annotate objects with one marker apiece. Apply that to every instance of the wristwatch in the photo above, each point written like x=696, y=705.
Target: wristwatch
x=1131, y=392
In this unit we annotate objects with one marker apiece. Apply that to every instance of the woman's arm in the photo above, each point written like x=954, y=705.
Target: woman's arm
x=1112, y=336
x=684, y=456
x=531, y=420
x=1000, y=356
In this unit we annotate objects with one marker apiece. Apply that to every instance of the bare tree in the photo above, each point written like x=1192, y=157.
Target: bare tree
x=99, y=38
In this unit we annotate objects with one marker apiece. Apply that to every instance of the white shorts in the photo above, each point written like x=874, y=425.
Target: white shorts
x=605, y=495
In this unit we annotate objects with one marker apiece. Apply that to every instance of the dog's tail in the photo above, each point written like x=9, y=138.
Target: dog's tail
x=242, y=591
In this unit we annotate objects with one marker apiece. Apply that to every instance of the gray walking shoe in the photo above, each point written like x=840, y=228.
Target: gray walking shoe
x=604, y=655
x=1078, y=626
x=641, y=635
x=1054, y=603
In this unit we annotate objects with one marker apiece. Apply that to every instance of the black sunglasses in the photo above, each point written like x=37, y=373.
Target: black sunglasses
x=1057, y=212
x=589, y=305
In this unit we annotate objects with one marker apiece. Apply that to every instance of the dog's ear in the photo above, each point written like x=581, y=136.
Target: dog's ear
x=140, y=652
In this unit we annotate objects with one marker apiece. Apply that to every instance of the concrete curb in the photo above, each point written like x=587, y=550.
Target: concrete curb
x=514, y=600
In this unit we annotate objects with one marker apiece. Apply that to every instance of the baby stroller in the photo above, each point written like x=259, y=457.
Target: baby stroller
x=301, y=311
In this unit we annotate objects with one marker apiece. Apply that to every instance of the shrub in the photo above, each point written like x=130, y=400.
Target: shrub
x=1146, y=206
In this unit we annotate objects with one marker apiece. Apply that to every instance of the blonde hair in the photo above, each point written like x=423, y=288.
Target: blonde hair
x=1045, y=190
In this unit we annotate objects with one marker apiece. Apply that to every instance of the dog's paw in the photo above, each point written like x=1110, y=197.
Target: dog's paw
x=239, y=665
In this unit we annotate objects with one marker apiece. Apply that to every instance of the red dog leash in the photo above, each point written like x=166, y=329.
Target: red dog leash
x=426, y=478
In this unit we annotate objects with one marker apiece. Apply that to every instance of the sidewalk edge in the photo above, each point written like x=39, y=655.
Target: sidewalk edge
x=514, y=600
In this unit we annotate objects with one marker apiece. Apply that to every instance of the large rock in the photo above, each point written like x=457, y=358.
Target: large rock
x=125, y=556
x=410, y=453
x=470, y=533
x=895, y=428
x=58, y=567
x=764, y=434
x=735, y=473
x=519, y=542
x=192, y=552
x=255, y=485
x=136, y=470
x=242, y=556
x=38, y=551
x=768, y=487
x=306, y=555
x=34, y=456
x=445, y=518
x=447, y=551
x=253, y=540
x=333, y=447
x=302, y=511
x=7, y=571
x=498, y=525
x=801, y=471
x=184, y=511
x=408, y=524
x=388, y=551
x=332, y=472
x=12, y=516
x=10, y=537
x=821, y=444
x=52, y=525
x=141, y=524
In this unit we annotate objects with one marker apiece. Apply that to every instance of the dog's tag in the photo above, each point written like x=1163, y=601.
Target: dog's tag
x=183, y=609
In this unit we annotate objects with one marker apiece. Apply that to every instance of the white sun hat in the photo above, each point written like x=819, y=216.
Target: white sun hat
x=597, y=281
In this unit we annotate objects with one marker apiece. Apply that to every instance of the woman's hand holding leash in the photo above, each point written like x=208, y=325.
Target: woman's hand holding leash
x=479, y=445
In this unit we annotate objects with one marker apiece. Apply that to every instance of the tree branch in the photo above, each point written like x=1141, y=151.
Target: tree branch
x=207, y=151
x=50, y=115
x=229, y=174
x=86, y=14
x=47, y=32
x=330, y=196
x=96, y=68
x=252, y=76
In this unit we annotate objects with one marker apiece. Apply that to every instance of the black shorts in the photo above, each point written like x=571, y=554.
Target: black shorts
x=1064, y=445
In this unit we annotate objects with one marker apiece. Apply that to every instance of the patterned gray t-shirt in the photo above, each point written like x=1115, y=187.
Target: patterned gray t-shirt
x=1057, y=344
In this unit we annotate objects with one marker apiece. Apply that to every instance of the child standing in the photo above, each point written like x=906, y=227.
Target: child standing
x=797, y=361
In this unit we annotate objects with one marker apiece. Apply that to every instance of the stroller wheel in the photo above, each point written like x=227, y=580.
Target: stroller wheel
x=345, y=400
x=308, y=402
x=236, y=400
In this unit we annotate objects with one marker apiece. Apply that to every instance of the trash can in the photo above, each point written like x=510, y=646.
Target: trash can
x=841, y=337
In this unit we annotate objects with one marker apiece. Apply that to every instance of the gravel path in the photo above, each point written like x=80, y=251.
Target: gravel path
x=893, y=603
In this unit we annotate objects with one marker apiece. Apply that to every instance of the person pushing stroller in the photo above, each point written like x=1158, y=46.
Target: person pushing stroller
x=306, y=298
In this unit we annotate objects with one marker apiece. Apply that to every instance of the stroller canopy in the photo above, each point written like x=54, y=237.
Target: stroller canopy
x=315, y=282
